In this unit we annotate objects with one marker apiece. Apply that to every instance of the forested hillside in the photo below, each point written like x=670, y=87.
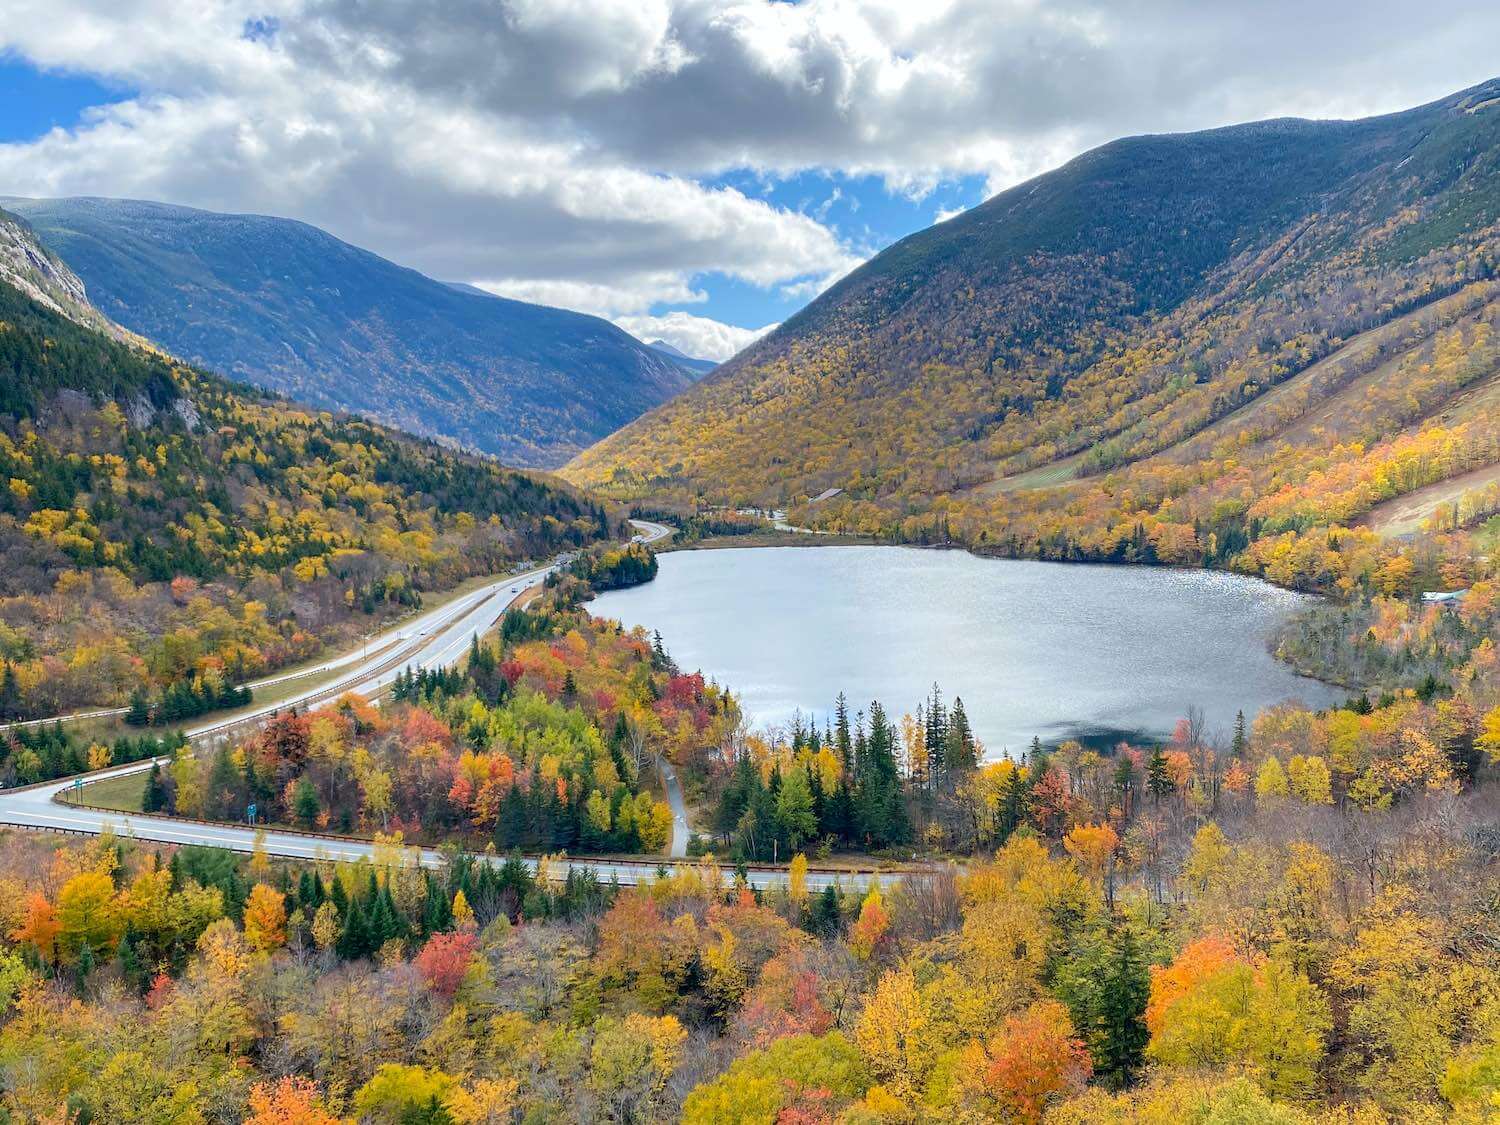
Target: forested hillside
x=1227, y=348
x=286, y=306
x=160, y=524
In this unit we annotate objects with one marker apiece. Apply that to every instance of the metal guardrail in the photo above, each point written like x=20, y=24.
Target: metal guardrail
x=645, y=862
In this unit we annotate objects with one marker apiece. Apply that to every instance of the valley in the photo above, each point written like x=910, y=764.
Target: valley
x=287, y=307
x=1048, y=675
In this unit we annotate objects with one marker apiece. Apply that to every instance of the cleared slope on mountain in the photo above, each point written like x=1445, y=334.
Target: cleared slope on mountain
x=158, y=523
x=286, y=306
x=1090, y=321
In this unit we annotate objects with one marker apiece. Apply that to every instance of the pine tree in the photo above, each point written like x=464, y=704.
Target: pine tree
x=1012, y=813
x=305, y=803
x=937, y=739
x=1158, y=781
x=1238, y=746
x=838, y=820
x=131, y=968
x=139, y=712
x=307, y=898
x=354, y=940
x=1122, y=1033
x=841, y=740
x=155, y=797
x=827, y=916
x=960, y=755
x=10, y=693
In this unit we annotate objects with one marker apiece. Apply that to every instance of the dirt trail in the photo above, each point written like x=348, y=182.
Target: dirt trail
x=1403, y=515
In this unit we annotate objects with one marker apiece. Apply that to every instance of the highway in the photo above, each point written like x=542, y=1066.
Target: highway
x=431, y=640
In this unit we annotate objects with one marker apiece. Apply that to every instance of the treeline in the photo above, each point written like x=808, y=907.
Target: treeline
x=693, y=524
x=32, y=754
x=150, y=482
x=542, y=743
x=849, y=786
x=613, y=568
x=185, y=699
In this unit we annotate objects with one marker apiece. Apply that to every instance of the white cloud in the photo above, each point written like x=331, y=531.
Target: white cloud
x=630, y=295
x=696, y=336
x=946, y=213
x=566, y=147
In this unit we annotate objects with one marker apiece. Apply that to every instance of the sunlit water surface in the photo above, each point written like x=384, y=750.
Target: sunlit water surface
x=1046, y=649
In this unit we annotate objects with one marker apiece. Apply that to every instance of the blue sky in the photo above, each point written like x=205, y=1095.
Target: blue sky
x=33, y=101
x=691, y=169
x=864, y=213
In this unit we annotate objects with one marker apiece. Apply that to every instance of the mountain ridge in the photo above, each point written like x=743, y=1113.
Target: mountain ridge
x=162, y=525
x=1012, y=379
x=290, y=307
x=698, y=367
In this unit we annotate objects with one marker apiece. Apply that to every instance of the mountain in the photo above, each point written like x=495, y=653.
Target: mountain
x=289, y=307
x=695, y=367
x=1172, y=348
x=160, y=523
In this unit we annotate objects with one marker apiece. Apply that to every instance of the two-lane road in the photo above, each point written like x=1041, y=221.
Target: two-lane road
x=432, y=640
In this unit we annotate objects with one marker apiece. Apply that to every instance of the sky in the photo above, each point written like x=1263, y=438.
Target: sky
x=693, y=170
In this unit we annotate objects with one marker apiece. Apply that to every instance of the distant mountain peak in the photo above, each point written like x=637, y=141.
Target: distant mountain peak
x=692, y=364
x=1003, y=372
x=290, y=307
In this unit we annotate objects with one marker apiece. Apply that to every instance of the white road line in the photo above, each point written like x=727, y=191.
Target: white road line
x=439, y=638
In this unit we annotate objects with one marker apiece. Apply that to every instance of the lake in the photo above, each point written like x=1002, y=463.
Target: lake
x=1047, y=649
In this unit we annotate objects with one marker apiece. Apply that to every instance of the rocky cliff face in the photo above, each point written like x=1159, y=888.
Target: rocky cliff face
x=46, y=279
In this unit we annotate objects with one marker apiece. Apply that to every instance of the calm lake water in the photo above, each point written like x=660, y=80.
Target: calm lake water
x=1047, y=649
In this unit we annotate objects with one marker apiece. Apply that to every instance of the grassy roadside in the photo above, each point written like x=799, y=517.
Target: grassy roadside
x=125, y=794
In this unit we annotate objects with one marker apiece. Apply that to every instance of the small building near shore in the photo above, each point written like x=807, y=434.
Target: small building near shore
x=1444, y=597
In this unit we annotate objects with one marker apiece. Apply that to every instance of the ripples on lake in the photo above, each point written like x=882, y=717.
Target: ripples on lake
x=1047, y=649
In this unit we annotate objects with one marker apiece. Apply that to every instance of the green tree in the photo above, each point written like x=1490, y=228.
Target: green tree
x=794, y=809
x=1120, y=1045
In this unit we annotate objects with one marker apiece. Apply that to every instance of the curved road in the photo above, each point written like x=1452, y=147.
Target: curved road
x=431, y=640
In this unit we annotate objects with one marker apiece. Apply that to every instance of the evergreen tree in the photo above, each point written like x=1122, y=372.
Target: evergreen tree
x=139, y=712
x=307, y=899
x=225, y=788
x=620, y=738
x=1158, y=781
x=437, y=908
x=154, y=799
x=1013, y=804
x=510, y=824
x=936, y=738
x=960, y=756
x=305, y=803
x=827, y=916
x=1238, y=746
x=1122, y=1033
x=354, y=940
x=841, y=739
x=131, y=968
x=10, y=693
